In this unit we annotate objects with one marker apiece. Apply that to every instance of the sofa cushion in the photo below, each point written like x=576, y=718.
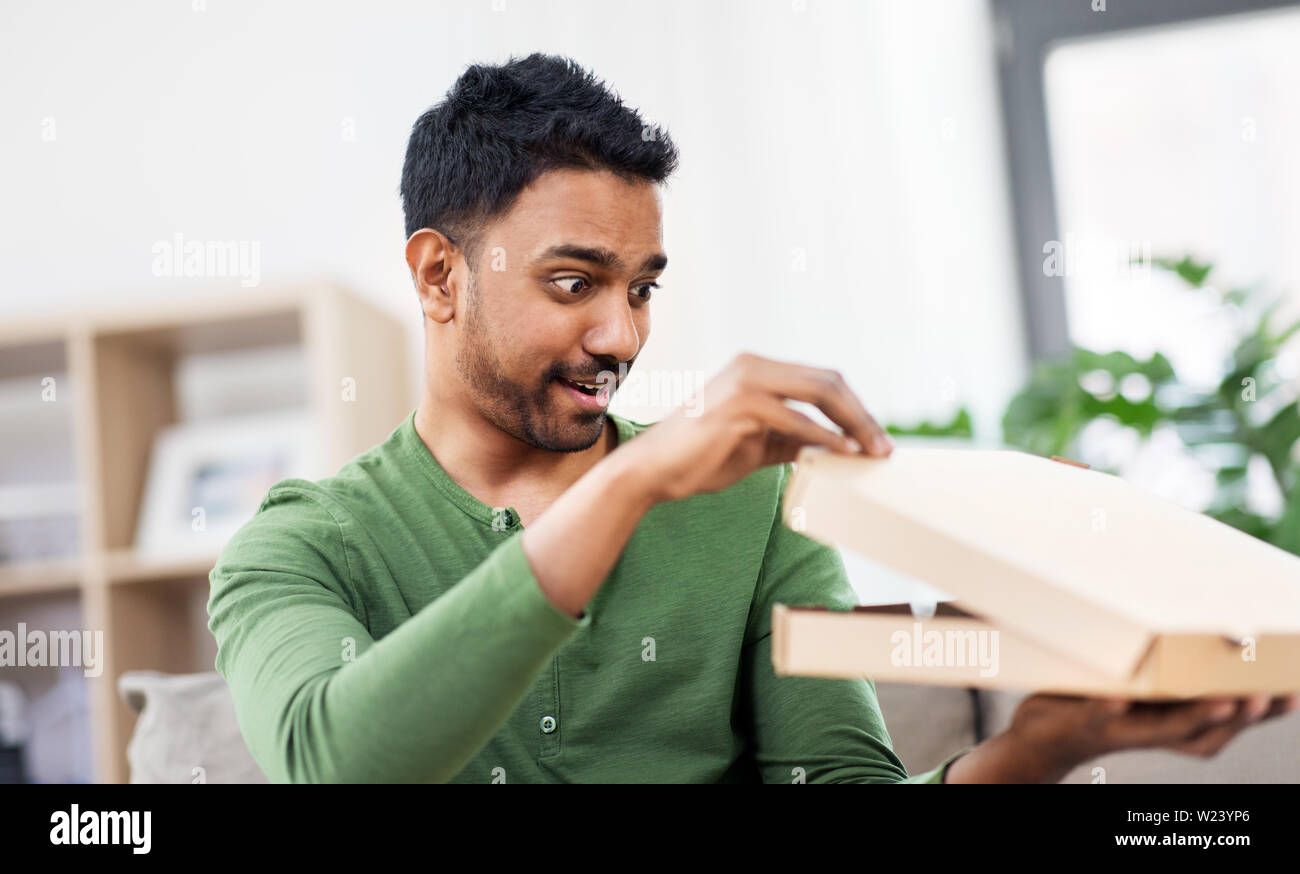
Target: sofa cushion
x=186, y=731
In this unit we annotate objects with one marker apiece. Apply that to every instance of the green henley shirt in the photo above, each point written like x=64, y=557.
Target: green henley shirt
x=383, y=625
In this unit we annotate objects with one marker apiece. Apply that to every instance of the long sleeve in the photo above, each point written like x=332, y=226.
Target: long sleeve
x=808, y=729
x=319, y=700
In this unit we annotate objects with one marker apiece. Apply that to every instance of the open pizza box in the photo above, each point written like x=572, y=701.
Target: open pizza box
x=1066, y=580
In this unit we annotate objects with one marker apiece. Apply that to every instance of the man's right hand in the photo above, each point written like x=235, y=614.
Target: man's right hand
x=740, y=422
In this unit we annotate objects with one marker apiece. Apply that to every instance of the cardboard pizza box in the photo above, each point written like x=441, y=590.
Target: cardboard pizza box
x=1066, y=580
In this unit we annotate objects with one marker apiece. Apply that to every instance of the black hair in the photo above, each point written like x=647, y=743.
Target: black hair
x=501, y=126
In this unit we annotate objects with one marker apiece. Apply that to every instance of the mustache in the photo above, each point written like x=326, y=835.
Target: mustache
x=613, y=374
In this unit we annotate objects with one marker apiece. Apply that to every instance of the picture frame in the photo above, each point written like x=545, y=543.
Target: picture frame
x=207, y=478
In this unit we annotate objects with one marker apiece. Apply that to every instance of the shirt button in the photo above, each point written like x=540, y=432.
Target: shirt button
x=548, y=724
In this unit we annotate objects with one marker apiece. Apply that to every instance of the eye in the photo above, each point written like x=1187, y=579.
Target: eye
x=645, y=289
x=574, y=290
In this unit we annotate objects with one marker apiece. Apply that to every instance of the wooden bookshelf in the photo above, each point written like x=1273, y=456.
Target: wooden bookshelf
x=116, y=375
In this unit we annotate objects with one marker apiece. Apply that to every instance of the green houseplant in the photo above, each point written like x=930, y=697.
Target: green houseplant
x=1251, y=413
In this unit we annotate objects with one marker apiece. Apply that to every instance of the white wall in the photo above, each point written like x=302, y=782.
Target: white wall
x=858, y=140
x=841, y=198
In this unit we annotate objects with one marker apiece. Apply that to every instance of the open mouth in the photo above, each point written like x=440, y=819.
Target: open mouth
x=587, y=388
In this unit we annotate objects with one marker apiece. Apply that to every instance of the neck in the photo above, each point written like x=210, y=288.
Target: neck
x=492, y=464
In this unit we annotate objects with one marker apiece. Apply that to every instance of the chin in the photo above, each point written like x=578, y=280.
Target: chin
x=579, y=433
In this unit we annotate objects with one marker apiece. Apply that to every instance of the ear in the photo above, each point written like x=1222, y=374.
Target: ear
x=431, y=257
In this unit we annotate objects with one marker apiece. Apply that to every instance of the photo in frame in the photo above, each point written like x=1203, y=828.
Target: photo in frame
x=206, y=479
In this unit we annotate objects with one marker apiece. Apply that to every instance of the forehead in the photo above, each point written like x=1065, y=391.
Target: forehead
x=586, y=207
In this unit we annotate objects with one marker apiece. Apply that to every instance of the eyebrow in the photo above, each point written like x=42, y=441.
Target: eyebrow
x=603, y=257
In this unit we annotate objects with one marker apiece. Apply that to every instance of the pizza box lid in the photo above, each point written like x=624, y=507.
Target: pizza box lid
x=1076, y=559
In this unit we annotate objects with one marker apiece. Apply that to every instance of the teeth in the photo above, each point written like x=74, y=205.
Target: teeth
x=584, y=387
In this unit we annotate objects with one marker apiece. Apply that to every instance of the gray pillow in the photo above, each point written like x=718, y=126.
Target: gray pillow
x=186, y=731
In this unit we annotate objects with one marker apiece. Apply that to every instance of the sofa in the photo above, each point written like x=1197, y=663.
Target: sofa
x=186, y=732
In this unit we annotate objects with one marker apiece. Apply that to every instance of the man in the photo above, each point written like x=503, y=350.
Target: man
x=517, y=586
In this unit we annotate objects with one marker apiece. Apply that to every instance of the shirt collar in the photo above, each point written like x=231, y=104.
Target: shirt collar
x=415, y=449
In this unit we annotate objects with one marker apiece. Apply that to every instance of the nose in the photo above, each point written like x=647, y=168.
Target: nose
x=614, y=333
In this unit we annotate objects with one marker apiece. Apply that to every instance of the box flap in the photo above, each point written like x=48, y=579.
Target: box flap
x=1079, y=560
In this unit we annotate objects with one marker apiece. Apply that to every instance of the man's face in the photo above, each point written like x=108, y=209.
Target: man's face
x=559, y=295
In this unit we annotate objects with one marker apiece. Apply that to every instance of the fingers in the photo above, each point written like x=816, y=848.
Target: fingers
x=1200, y=728
x=1284, y=704
x=1079, y=728
x=1114, y=705
x=782, y=448
x=793, y=424
x=1250, y=710
x=1264, y=707
x=825, y=389
x=1256, y=707
x=1210, y=740
x=1148, y=724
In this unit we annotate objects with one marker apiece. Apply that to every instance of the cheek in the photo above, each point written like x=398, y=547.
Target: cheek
x=528, y=340
x=506, y=318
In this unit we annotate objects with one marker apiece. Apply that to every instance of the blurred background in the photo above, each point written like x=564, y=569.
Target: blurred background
x=1067, y=226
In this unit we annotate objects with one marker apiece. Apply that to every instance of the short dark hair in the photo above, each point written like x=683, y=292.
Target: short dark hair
x=502, y=126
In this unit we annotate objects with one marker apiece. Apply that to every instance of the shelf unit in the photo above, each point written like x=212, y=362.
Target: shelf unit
x=117, y=378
